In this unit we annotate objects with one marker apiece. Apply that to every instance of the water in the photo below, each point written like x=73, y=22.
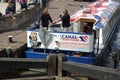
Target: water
x=110, y=61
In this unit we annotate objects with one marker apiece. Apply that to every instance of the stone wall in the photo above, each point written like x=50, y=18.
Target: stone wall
x=26, y=17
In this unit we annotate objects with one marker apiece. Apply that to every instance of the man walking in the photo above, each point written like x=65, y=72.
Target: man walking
x=45, y=18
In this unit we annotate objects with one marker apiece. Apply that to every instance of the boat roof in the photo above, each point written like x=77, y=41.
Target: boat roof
x=101, y=11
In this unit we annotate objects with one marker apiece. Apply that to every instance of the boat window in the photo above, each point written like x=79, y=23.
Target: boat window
x=87, y=27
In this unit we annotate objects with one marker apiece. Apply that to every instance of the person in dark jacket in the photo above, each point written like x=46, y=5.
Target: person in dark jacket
x=23, y=4
x=65, y=20
x=13, y=6
x=0, y=14
x=45, y=18
x=9, y=11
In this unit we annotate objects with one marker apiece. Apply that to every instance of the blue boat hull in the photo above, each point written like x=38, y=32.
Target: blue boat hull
x=82, y=59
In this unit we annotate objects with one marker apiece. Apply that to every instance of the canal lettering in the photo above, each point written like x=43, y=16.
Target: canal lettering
x=80, y=38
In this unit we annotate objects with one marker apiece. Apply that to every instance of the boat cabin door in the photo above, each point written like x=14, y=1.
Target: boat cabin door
x=83, y=25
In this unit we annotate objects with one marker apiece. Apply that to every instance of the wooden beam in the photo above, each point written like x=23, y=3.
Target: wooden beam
x=21, y=63
x=52, y=65
x=96, y=72
x=61, y=58
x=36, y=78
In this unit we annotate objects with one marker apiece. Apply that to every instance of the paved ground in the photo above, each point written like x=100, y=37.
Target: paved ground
x=55, y=8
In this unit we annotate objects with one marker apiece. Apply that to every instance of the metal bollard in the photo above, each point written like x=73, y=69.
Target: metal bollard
x=10, y=39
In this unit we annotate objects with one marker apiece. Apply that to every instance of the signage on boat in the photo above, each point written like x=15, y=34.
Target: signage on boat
x=74, y=38
x=63, y=41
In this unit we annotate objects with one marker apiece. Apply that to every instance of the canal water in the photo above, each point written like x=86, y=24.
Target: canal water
x=113, y=58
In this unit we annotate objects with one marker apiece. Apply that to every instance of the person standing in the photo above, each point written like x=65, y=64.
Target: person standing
x=65, y=20
x=23, y=4
x=45, y=19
